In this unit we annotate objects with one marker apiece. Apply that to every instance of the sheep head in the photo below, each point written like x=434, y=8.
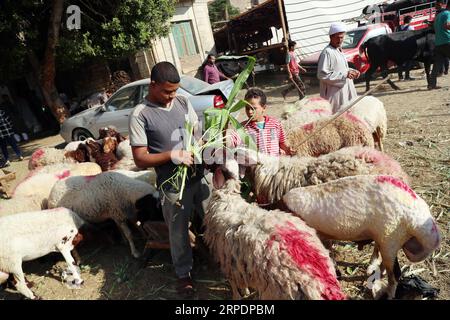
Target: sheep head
x=426, y=239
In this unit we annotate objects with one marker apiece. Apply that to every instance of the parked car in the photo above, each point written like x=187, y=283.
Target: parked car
x=353, y=40
x=117, y=108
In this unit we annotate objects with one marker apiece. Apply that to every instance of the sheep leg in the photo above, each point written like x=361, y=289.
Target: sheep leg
x=375, y=272
x=3, y=277
x=390, y=262
x=21, y=284
x=380, y=143
x=72, y=266
x=76, y=256
x=235, y=291
x=127, y=233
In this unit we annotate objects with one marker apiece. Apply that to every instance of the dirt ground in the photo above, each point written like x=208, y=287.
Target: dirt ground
x=418, y=137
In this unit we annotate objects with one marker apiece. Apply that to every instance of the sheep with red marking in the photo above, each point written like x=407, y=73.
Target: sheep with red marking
x=108, y=195
x=102, y=153
x=305, y=111
x=379, y=208
x=371, y=111
x=30, y=235
x=47, y=156
x=32, y=193
x=272, y=252
x=345, y=131
x=272, y=177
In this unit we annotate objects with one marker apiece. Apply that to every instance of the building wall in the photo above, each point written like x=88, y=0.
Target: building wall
x=164, y=49
x=242, y=5
x=309, y=20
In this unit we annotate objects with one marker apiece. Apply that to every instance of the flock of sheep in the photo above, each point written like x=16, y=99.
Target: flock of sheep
x=337, y=187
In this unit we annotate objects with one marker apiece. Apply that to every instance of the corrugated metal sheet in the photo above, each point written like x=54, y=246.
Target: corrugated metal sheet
x=309, y=20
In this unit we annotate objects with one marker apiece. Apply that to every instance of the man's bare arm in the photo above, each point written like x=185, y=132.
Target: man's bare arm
x=143, y=159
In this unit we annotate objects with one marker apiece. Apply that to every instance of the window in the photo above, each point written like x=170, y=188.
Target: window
x=352, y=38
x=184, y=39
x=375, y=33
x=123, y=99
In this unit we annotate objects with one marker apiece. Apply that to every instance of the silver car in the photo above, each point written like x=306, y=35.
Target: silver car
x=118, y=107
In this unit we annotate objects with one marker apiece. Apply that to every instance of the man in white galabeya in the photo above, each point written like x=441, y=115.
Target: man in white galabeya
x=334, y=74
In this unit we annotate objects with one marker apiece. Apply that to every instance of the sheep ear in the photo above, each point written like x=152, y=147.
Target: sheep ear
x=218, y=179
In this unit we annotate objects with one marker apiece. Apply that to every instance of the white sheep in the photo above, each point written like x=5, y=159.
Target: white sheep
x=109, y=195
x=379, y=208
x=272, y=177
x=345, y=131
x=21, y=204
x=73, y=145
x=371, y=111
x=124, y=150
x=148, y=175
x=30, y=235
x=272, y=252
x=37, y=185
x=47, y=156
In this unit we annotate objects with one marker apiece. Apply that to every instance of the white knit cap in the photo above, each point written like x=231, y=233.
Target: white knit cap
x=337, y=27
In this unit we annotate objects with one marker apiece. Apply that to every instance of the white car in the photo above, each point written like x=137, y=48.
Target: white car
x=118, y=107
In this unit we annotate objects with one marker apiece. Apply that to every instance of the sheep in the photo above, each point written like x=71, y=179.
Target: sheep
x=124, y=150
x=272, y=252
x=272, y=177
x=299, y=118
x=109, y=195
x=126, y=164
x=371, y=111
x=345, y=131
x=104, y=154
x=40, y=184
x=305, y=111
x=148, y=176
x=47, y=156
x=372, y=207
x=30, y=235
x=72, y=146
x=111, y=132
x=21, y=204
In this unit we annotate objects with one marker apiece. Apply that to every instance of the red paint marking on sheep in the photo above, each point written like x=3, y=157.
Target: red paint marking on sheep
x=354, y=119
x=308, y=258
x=37, y=154
x=316, y=99
x=378, y=158
x=64, y=174
x=398, y=183
x=308, y=127
x=320, y=111
x=89, y=178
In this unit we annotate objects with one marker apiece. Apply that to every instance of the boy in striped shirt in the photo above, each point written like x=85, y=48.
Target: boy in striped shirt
x=266, y=131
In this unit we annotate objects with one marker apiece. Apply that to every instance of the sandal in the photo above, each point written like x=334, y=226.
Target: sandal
x=185, y=286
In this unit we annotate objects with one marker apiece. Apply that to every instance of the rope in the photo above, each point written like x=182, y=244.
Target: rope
x=345, y=110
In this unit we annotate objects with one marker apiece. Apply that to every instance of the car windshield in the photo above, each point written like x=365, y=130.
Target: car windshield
x=352, y=38
x=193, y=85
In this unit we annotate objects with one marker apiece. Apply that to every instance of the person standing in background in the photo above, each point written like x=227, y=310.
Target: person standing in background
x=211, y=74
x=334, y=74
x=293, y=69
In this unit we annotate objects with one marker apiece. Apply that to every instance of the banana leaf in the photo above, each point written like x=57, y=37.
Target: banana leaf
x=216, y=120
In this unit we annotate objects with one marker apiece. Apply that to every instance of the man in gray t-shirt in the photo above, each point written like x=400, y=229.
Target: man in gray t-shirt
x=155, y=129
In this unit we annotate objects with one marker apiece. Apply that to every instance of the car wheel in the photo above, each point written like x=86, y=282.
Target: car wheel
x=81, y=134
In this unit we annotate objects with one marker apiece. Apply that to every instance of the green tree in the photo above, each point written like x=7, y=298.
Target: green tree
x=34, y=33
x=219, y=9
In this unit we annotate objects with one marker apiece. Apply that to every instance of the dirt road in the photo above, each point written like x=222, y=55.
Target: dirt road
x=418, y=137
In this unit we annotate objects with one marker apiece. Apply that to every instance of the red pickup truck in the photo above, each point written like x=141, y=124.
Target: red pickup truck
x=353, y=40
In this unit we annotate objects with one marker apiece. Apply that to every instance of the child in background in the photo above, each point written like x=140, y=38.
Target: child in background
x=266, y=131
